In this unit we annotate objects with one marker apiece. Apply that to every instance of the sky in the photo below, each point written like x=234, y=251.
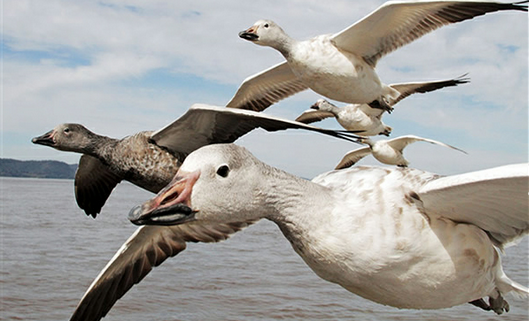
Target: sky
x=120, y=67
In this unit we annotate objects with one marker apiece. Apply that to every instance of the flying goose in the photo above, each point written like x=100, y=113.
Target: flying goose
x=386, y=151
x=398, y=236
x=150, y=159
x=342, y=66
x=362, y=118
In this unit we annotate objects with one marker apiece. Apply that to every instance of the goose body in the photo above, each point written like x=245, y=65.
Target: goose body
x=362, y=118
x=151, y=159
x=359, y=118
x=390, y=152
x=342, y=66
x=397, y=236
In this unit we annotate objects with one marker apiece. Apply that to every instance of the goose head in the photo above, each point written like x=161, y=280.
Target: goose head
x=265, y=33
x=323, y=105
x=217, y=183
x=387, y=131
x=66, y=137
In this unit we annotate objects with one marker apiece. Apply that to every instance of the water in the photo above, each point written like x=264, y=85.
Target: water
x=51, y=252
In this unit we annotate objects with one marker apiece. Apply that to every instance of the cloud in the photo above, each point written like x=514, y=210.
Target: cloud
x=124, y=66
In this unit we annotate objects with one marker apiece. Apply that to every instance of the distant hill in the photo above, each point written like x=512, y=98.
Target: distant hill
x=38, y=169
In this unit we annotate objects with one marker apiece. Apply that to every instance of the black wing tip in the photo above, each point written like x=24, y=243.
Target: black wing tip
x=518, y=6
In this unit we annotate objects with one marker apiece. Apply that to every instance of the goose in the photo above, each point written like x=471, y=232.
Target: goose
x=365, y=120
x=397, y=236
x=388, y=152
x=150, y=159
x=341, y=66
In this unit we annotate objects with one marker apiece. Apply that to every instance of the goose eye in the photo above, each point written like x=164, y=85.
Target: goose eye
x=67, y=130
x=266, y=25
x=223, y=170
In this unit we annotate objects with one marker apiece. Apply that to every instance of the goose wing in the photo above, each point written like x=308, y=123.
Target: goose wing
x=148, y=247
x=401, y=142
x=266, y=88
x=203, y=125
x=407, y=89
x=397, y=23
x=353, y=157
x=312, y=115
x=496, y=200
x=94, y=182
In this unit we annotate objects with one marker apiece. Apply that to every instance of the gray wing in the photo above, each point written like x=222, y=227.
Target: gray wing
x=496, y=200
x=266, y=88
x=353, y=157
x=94, y=182
x=148, y=247
x=407, y=89
x=397, y=23
x=203, y=125
x=313, y=115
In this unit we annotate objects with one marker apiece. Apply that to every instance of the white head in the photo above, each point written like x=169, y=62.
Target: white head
x=265, y=33
x=216, y=183
x=323, y=105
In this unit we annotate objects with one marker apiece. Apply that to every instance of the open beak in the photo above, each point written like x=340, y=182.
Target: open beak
x=171, y=206
x=46, y=139
x=249, y=34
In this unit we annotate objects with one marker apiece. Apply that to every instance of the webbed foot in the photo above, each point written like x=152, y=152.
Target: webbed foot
x=498, y=305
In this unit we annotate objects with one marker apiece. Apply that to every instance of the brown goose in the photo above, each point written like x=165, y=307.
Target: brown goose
x=151, y=159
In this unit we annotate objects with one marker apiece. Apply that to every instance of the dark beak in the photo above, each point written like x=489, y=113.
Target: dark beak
x=46, y=139
x=171, y=206
x=249, y=35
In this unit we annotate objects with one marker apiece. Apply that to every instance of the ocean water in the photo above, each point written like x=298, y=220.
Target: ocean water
x=51, y=252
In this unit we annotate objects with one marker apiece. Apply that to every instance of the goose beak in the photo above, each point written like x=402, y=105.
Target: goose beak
x=171, y=206
x=46, y=139
x=315, y=106
x=249, y=34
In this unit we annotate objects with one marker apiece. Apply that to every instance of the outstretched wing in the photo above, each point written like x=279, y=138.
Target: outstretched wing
x=397, y=23
x=148, y=247
x=400, y=142
x=266, y=88
x=313, y=115
x=353, y=157
x=496, y=200
x=423, y=87
x=203, y=125
x=94, y=182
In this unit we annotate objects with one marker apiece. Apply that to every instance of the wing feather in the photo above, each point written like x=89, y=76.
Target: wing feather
x=203, y=125
x=397, y=23
x=312, y=115
x=496, y=200
x=261, y=90
x=94, y=182
x=148, y=247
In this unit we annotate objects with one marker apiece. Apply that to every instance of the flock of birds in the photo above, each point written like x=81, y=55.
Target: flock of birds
x=394, y=235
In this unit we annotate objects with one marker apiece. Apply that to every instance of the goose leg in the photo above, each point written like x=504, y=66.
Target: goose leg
x=498, y=305
x=480, y=303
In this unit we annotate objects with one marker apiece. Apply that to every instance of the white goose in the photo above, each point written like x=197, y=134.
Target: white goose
x=397, y=236
x=342, y=66
x=386, y=151
x=363, y=119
